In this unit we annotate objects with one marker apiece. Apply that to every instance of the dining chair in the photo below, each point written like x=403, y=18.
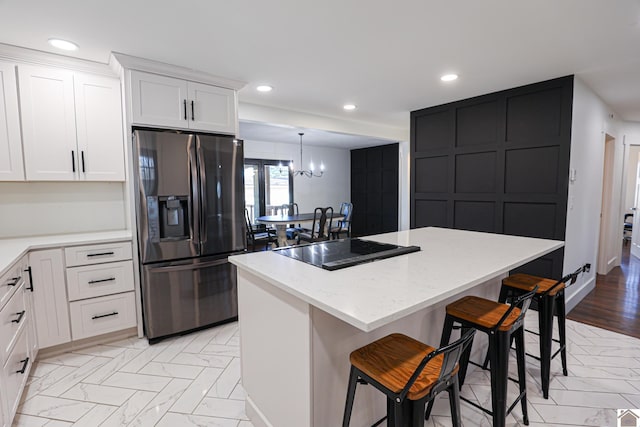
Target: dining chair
x=292, y=229
x=258, y=233
x=319, y=229
x=343, y=225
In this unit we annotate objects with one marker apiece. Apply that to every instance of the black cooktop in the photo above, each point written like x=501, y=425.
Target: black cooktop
x=336, y=254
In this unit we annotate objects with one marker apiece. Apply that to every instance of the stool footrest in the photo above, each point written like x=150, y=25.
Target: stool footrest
x=487, y=369
x=534, y=356
x=488, y=412
x=559, y=350
x=485, y=410
x=380, y=421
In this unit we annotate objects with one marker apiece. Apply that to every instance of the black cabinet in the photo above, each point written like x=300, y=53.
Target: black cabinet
x=374, y=190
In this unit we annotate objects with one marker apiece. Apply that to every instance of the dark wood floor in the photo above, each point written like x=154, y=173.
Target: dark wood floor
x=614, y=304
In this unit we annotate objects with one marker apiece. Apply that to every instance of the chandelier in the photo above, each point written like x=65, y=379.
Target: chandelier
x=309, y=173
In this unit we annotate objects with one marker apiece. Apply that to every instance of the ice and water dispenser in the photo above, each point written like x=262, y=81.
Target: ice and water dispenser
x=168, y=217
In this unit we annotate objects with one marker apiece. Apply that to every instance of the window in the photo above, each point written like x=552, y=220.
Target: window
x=268, y=184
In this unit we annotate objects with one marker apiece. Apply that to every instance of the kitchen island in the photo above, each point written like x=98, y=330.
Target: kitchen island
x=298, y=323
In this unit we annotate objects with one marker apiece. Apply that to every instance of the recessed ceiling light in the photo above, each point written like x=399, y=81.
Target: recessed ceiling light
x=63, y=44
x=350, y=107
x=449, y=77
x=264, y=88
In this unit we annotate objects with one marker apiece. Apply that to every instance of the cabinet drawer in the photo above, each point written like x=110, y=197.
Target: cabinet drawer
x=96, y=254
x=12, y=317
x=9, y=282
x=97, y=280
x=16, y=371
x=101, y=315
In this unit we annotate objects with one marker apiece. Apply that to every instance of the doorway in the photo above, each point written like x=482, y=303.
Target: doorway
x=607, y=250
x=268, y=184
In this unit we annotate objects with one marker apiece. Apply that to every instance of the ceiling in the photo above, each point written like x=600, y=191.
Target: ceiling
x=384, y=56
x=253, y=131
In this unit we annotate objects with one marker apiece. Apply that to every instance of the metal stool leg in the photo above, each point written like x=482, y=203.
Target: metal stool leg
x=545, y=323
x=499, y=359
x=351, y=392
x=464, y=358
x=454, y=402
x=522, y=373
x=561, y=313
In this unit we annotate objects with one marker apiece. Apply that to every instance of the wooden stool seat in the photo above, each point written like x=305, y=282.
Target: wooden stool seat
x=392, y=360
x=527, y=282
x=483, y=312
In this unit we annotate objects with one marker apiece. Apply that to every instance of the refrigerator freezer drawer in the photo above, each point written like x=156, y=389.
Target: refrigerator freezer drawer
x=181, y=296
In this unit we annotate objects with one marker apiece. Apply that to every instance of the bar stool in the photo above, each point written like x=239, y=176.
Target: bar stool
x=549, y=297
x=410, y=374
x=502, y=323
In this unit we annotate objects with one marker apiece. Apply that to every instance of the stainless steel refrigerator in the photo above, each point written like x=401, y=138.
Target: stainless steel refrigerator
x=190, y=207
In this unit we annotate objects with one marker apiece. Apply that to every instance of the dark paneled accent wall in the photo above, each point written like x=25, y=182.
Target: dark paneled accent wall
x=496, y=163
x=374, y=190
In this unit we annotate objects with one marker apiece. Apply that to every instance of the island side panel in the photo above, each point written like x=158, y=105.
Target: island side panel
x=334, y=340
x=275, y=345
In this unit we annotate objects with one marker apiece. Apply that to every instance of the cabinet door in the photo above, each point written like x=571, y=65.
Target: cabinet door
x=211, y=108
x=158, y=100
x=99, y=127
x=50, y=298
x=10, y=143
x=48, y=123
x=32, y=335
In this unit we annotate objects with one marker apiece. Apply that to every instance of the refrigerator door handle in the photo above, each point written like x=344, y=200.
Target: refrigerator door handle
x=187, y=266
x=203, y=195
x=194, y=198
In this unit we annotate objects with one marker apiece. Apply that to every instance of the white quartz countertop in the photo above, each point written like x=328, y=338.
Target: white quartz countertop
x=12, y=249
x=371, y=295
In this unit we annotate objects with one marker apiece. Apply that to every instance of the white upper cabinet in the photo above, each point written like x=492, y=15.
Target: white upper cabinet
x=99, y=127
x=71, y=125
x=10, y=143
x=175, y=103
x=158, y=100
x=212, y=108
x=48, y=123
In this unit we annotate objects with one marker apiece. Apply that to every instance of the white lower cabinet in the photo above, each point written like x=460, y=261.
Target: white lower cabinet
x=15, y=372
x=16, y=336
x=50, y=297
x=100, y=289
x=101, y=315
x=92, y=281
x=40, y=309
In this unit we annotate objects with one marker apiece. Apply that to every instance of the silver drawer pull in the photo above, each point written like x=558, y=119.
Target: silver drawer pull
x=115, y=313
x=20, y=315
x=110, y=279
x=100, y=254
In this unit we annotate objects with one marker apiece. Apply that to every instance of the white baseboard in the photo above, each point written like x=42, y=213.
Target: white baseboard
x=255, y=415
x=580, y=293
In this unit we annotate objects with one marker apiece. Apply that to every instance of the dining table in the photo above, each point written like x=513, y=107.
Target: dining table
x=281, y=222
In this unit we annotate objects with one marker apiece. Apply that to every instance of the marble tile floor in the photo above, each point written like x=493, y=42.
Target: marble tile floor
x=194, y=380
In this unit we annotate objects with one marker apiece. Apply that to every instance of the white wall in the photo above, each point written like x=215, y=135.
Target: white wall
x=37, y=208
x=591, y=120
x=631, y=169
x=333, y=188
